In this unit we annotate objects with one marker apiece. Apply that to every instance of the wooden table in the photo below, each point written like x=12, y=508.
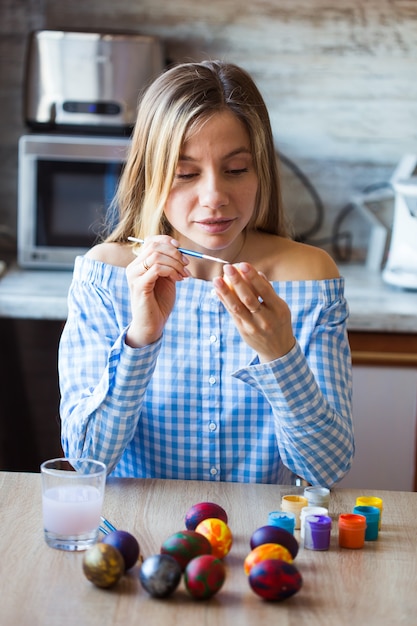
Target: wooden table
x=42, y=586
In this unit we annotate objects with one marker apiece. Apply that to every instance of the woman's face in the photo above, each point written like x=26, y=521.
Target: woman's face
x=214, y=191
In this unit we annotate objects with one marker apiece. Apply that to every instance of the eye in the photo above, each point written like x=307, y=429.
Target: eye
x=185, y=176
x=238, y=172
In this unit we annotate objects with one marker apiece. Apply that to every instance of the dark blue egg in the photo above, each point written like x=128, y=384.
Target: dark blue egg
x=274, y=534
x=127, y=545
x=160, y=575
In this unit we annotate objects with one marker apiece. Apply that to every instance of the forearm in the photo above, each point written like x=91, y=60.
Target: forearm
x=313, y=421
x=99, y=419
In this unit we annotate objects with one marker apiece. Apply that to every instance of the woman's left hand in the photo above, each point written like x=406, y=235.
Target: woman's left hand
x=262, y=318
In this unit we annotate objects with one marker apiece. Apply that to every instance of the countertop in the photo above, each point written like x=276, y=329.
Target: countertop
x=374, y=305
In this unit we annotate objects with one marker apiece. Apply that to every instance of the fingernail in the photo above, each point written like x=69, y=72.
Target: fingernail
x=229, y=270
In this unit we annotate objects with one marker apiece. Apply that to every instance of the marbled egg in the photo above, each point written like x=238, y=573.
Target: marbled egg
x=219, y=535
x=274, y=534
x=204, y=576
x=185, y=545
x=160, y=575
x=266, y=551
x=203, y=510
x=274, y=579
x=103, y=565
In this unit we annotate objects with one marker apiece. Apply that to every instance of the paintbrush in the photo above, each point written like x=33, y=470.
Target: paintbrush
x=194, y=253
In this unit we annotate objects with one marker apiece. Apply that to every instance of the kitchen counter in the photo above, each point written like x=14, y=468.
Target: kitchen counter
x=374, y=305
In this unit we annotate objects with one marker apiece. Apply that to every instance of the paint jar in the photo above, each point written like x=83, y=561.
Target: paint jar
x=372, y=514
x=352, y=529
x=317, y=532
x=317, y=496
x=282, y=519
x=310, y=510
x=294, y=504
x=371, y=501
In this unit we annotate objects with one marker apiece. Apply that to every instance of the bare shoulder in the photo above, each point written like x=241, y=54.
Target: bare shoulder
x=117, y=254
x=284, y=259
x=312, y=263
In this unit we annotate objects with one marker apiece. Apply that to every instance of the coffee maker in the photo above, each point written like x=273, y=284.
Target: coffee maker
x=401, y=266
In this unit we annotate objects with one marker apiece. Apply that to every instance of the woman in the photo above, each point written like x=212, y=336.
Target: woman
x=173, y=366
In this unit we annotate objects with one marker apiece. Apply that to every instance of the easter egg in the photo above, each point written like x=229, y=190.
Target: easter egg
x=204, y=576
x=266, y=551
x=127, y=545
x=186, y=545
x=103, y=565
x=203, y=510
x=274, y=579
x=160, y=575
x=219, y=535
x=274, y=534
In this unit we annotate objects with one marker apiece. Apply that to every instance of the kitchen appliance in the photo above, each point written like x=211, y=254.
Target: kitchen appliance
x=65, y=186
x=87, y=80
x=401, y=265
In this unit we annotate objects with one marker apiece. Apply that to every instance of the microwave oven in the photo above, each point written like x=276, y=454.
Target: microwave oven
x=65, y=186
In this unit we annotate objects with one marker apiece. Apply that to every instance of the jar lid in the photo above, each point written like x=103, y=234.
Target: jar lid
x=352, y=520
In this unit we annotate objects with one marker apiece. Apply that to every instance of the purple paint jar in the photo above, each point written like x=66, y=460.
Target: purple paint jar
x=317, y=532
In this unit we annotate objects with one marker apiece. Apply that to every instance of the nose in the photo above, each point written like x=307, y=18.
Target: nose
x=213, y=193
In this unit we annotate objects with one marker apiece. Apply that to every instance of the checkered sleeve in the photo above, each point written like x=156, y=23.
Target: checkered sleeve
x=102, y=380
x=310, y=393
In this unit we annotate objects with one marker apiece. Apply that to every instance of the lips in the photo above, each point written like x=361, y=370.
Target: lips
x=215, y=226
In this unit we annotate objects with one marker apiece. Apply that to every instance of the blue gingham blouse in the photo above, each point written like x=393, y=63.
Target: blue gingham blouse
x=198, y=404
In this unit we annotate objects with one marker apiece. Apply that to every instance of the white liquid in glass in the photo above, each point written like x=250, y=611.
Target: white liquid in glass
x=71, y=509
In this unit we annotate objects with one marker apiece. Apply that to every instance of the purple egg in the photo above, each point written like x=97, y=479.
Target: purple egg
x=274, y=534
x=127, y=545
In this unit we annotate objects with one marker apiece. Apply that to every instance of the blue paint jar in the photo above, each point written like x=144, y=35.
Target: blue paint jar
x=372, y=514
x=282, y=519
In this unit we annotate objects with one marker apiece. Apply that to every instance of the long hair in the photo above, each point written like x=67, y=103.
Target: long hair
x=174, y=104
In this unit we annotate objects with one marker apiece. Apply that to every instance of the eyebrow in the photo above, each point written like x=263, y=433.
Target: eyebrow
x=237, y=151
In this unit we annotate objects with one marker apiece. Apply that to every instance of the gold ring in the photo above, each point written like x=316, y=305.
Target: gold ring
x=146, y=267
x=257, y=309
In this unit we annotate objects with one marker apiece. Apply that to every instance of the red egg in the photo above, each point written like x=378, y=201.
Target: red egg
x=266, y=551
x=203, y=510
x=274, y=534
x=127, y=545
x=219, y=535
x=186, y=545
x=204, y=576
x=274, y=579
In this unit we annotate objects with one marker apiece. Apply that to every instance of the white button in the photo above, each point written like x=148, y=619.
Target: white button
x=212, y=426
x=213, y=471
x=212, y=380
x=213, y=293
x=213, y=338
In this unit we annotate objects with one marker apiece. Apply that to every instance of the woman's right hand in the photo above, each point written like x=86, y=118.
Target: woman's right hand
x=151, y=278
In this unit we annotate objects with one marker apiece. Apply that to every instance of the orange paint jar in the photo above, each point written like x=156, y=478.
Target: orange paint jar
x=352, y=529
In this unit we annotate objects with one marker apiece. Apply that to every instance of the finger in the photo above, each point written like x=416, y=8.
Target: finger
x=243, y=289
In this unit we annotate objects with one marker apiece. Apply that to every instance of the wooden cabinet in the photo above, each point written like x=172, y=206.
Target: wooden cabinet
x=384, y=411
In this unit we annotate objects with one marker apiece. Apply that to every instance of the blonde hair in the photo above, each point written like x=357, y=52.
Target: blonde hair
x=174, y=104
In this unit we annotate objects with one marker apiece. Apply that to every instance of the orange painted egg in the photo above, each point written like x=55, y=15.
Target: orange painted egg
x=266, y=551
x=219, y=535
